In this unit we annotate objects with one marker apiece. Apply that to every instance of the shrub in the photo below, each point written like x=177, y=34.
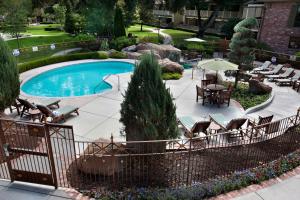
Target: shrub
x=52, y=29
x=84, y=37
x=156, y=117
x=119, y=28
x=228, y=27
x=117, y=54
x=102, y=55
x=51, y=60
x=9, y=77
x=263, y=46
x=195, y=46
x=122, y=42
x=171, y=76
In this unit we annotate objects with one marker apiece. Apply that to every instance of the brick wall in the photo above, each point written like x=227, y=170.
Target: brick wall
x=275, y=30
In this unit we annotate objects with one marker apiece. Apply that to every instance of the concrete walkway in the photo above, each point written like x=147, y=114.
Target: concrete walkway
x=167, y=37
x=27, y=191
x=284, y=190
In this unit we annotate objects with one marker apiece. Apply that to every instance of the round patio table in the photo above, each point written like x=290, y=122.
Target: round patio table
x=215, y=87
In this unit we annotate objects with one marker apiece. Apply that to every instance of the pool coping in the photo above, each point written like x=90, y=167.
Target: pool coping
x=26, y=76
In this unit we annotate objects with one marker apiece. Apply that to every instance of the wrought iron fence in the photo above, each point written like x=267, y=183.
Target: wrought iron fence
x=109, y=165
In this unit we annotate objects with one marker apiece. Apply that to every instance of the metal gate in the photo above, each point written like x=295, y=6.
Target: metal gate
x=27, y=152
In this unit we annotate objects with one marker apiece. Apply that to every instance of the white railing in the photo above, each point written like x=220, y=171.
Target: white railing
x=162, y=12
x=207, y=13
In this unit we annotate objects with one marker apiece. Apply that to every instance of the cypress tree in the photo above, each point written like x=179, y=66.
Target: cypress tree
x=148, y=112
x=119, y=27
x=242, y=45
x=9, y=77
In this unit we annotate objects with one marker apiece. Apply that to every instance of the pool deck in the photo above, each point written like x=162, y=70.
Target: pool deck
x=100, y=113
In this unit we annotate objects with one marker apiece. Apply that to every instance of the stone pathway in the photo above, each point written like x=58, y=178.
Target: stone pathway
x=67, y=51
x=167, y=37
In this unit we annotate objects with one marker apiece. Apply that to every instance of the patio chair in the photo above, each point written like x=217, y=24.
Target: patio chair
x=289, y=81
x=192, y=127
x=276, y=70
x=202, y=94
x=261, y=121
x=56, y=115
x=27, y=106
x=296, y=86
x=265, y=67
x=224, y=97
x=207, y=82
x=288, y=72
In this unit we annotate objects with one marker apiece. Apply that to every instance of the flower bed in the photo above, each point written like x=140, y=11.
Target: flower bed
x=220, y=185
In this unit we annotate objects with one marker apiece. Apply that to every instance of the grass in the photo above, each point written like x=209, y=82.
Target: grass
x=143, y=35
x=40, y=30
x=246, y=98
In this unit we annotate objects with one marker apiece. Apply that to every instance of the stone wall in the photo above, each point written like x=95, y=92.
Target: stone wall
x=275, y=29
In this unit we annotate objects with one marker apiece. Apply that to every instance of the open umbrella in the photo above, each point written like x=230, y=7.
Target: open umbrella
x=217, y=64
x=194, y=40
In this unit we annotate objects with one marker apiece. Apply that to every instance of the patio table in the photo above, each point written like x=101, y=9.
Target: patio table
x=219, y=119
x=215, y=87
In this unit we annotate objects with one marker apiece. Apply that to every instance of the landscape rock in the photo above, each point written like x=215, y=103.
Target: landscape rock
x=156, y=55
x=133, y=55
x=131, y=48
x=171, y=67
x=257, y=87
x=165, y=51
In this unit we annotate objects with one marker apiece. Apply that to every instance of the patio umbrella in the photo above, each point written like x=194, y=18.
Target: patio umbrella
x=217, y=64
x=194, y=40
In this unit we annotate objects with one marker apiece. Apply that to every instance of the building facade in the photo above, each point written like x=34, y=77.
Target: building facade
x=281, y=25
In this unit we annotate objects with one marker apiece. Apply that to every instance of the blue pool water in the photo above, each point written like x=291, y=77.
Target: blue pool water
x=75, y=80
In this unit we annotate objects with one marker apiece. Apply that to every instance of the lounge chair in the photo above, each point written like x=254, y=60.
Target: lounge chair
x=289, y=81
x=192, y=127
x=264, y=67
x=57, y=115
x=288, y=72
x=27, y=106
x=234, y=124
x=276, y=70
x=261, y=121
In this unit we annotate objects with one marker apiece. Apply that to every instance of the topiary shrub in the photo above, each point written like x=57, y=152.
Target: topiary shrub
x=9, y=77
x=102, y=55
x=118, y=55
x=119, y=28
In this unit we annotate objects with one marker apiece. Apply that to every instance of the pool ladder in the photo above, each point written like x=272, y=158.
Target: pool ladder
x=103, y=81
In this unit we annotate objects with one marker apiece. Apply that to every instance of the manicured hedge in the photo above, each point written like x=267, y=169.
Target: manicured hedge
x=51, y=60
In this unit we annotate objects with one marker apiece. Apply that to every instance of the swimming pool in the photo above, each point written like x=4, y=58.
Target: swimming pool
x=75, y=80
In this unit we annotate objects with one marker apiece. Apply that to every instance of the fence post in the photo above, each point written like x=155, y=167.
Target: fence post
x=189, y=162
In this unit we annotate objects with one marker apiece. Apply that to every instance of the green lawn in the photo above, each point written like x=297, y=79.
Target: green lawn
x=136, y=31
x=40, y=30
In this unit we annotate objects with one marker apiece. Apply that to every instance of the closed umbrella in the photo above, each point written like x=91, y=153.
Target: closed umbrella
x=217, y=64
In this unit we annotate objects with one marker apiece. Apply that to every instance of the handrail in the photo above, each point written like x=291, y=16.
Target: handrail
x=103, y=81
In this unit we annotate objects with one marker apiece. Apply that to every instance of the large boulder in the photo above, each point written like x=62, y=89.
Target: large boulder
x=156, y=55
x=257, y=87
x=171, y=67
x=133, y=55
x=165, y=51
x=97, y=159
x=131, y=48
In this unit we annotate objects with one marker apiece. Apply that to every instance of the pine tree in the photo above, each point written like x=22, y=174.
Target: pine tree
x=242, y=45
x=148, y=112
x=9, y=77
x=119, y=28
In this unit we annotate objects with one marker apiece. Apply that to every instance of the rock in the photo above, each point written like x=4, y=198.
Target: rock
x=156, y=55
x=257, y=87
x=131, y=48
x=165, y=51
x=99, y=163
x=133, y=55
x=171, y=67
